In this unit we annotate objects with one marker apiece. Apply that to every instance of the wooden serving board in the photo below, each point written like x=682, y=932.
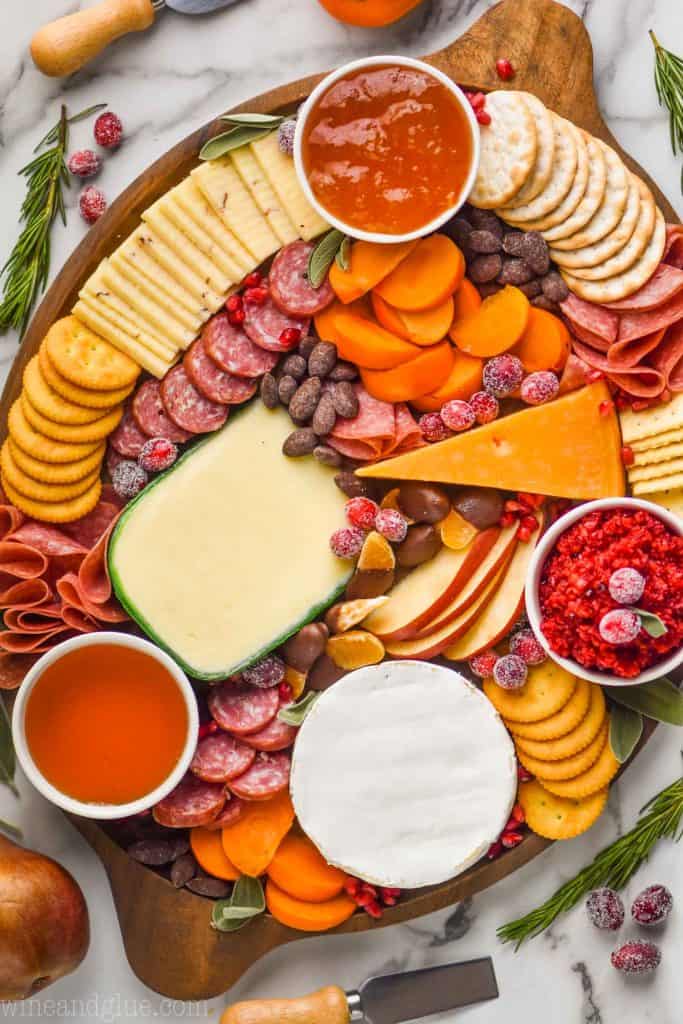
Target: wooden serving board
x=166, y=932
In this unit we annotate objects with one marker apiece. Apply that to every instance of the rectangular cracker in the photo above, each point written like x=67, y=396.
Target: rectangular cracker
x=96, y=322
x=671, y=499
x=655, y=471
x=222, y=186
x=144, y=238
x=146, y=296
x=250, y=172
x=195, y=205
x=667, y=437
x=113, y=309
x=170, y=208
x=133, y=304
x=280, y=171
x=655, y=420
x=187, y=251
x=660, y=484
x=663, y=454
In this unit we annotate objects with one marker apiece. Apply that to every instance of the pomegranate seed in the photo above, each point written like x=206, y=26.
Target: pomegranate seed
x=529, y=523
x=507, y=519
x=364, y=898
x=522, y=774
x=483, y=116
x=233, y=303
x=290, y=337
x=352, y=887
x=593, y=375
x=207, y=729
x=284, y=692
x=389, y=890
x=373, y=909
x=253, y=280
x=518, y=814
x=627, y=456
x=256, y=295
x=524, y=534
x=237, y=318
x=530, y=500
x=477, y=99
x=605, y=408
x=504, y=69
x=511, y=839
x=514, y=506
x=494, y=850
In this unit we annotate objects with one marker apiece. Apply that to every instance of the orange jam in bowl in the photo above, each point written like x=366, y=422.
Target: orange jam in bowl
x=386, y=148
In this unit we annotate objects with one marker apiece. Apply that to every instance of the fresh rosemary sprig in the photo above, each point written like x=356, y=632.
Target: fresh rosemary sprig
x=669, y=86
x=612, y=867
x=26, y=271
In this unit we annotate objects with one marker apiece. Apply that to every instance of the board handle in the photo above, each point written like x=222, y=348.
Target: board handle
x=328, y=1005
x=65, y=45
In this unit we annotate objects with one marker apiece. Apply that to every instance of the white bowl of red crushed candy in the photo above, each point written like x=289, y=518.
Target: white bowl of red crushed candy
x=546, y=548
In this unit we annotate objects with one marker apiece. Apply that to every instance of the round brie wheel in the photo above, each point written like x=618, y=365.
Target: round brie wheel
x=403, y=774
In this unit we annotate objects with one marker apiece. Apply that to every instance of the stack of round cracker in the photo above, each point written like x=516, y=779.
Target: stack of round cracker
x=560, y=727
x=541, y=173
x=71, y=401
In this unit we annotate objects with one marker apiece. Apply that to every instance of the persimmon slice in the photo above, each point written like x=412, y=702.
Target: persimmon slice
x=426, y=277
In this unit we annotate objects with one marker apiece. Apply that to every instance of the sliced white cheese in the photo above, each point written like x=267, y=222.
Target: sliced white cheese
x=144, y=239
x=138, y=267
x=403, y=774
x=160, y=317
x=230, y=198
x=196, y=206
x=227, y=554
x=92, y=317
x=187, y=250
x=280, y=171
x=250, y=172
x=170, y=208
x=127, y=317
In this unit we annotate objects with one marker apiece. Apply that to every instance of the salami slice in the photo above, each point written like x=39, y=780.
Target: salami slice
x=289, y=285
x=574, y=375
x=242, y=709
x=666, y=282
x=49, y=540
x=13, y=668
x=187, y=407
x=637, y=324
x=265, y=323
x=192, y=803
x=594, y=318
x=630, y=353
x=669, y=357
x=233, y=351
x=150, y=415
x=268, y=775
x=214, y=383
x=673, y=249
x=127, y=440
x=639, y=381
x=276, y=735
x=230, y=813
x=589, y=338
x=220, y=757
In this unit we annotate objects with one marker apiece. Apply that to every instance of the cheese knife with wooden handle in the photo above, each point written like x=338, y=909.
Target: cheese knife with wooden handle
x=65, y=45
x=387, y=999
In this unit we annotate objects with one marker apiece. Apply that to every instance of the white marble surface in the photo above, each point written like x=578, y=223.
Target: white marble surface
x=163, y=84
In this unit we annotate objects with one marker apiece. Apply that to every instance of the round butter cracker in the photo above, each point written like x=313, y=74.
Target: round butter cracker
x=543, y=167
x=46, y=449
x=56, y=472
x=508, y=150
x=593, y=780
x=573, y=742
x=610, y=210
x=598, y=252
x=79, y=434
x=73, y=393
x=559, y=724
x=547, y=689
x=572, y=213
x=567, y=767
x=52, y=405
x=565, y=159
x=30, y=488
x=56, y=511
x=555, y=817
x=87, y=360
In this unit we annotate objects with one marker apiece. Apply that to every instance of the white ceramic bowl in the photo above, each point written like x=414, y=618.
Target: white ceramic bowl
x=533, y=607
x=97, y=810
x=358, y=65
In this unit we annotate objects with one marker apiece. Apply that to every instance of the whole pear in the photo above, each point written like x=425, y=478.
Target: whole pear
x=44, y=928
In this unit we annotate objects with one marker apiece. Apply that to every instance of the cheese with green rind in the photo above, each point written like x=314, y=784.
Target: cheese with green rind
x=227, y=554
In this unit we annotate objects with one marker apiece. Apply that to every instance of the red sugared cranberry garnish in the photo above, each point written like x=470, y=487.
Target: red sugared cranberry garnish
x=605, y=909
x=539, y=387
x=391, y=524
x=347, y=542
x=108, y=130
x=510, y=672
x=527, y=647
x=128, y=479
x=620, y=626
x=84, y=163
x=483, y=664
x=266, y=673
x=458, y=415
x=503, y=375
x=433, y=428
x=626, y=585
x=361, y=512
x=636, y=957
x=92, y=204
x=157, y=454
x=485, y=406
x=653, y=905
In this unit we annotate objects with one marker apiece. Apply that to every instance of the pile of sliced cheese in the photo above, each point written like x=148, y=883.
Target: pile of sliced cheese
x=152, y=295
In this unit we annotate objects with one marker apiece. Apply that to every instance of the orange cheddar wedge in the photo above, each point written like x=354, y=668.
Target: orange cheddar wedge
x=368, y=345
x=370, y=263
x=426, y=372
x=566, y=448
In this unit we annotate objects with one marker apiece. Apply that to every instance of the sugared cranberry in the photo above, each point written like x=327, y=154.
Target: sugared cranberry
x=510, y=672
x=526, y=646
x=485, y=406
x=458, y=415
x=128, y=479
x=361, y=512
x=108, y=130
x=391, y=524
x=653, y=905
x=620, y=626
x=626, y=585
x=483, y=664
x=84, y=163
x=92, y=204
x=266, y=673
x=504, y=69
x=347, y=542
x=157, y=454
x=539, y=387
x=605, y=909
x=433, y=428
x=285, y=136
x=503, y=375
x=636, y=957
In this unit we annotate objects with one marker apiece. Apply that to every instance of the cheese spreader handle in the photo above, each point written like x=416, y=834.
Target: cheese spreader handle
x=328, y=1005
x=65, y=45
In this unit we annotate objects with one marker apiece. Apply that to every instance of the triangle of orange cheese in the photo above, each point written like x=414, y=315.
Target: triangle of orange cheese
x=566, y=448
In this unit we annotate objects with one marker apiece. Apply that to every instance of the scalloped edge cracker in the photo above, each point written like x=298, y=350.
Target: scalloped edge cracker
x=556, y=817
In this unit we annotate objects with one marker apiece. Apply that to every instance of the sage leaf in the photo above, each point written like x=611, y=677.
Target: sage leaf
x=651, y=623
x=11, y=830
x=246, y=901
x=660, y=699
x=625, y=729
x=343, y=257
x=322, y=256
x=7, y=759
x=294, y=714
x=238, y=136
x=254, y=120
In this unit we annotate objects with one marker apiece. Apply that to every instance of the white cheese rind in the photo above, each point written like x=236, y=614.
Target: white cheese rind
x=403, y=774
x=228, y=553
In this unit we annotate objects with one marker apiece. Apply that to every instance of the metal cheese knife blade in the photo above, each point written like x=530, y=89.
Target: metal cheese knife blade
x=65, y=45
x=386, y=999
